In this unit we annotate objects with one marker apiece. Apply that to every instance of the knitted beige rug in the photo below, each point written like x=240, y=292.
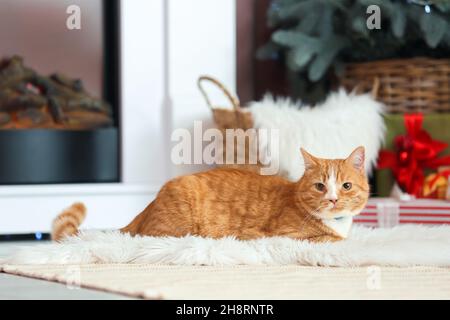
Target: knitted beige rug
x=247, y=282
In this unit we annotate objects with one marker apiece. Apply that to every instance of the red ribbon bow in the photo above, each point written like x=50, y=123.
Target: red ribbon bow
x=415, y=151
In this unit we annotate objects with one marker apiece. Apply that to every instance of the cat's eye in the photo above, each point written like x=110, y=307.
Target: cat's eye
x=347, y=186
x=320, y=186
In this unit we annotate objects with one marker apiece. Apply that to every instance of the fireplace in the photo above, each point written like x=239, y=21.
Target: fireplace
x=59, y=92
x=157, y=94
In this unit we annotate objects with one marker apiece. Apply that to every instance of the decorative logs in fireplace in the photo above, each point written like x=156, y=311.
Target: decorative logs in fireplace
x=32, y=101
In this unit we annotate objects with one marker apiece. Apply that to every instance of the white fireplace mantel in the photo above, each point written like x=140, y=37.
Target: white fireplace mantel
x=165, y=46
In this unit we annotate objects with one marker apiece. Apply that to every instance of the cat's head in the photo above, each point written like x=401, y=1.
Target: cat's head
x=331, y=189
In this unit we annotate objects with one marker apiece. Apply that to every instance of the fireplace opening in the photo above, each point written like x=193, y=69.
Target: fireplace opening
x=59, y=91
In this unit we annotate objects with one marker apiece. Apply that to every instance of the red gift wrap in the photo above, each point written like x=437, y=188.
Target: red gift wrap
x=389, y=212
x=414, y=152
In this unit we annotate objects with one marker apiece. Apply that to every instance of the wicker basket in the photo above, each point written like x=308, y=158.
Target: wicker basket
x=404, y=85
x=226, y=118
x=230, y=118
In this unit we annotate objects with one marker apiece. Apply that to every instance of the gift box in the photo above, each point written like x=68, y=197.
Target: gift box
x=437, y=185
x=437, y=125
x=389, y=212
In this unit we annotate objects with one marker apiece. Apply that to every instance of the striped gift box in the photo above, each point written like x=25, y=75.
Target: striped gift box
x=388, y=212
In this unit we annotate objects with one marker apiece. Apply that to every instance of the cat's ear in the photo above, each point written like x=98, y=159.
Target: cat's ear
x=357, y=158
x=308, y=159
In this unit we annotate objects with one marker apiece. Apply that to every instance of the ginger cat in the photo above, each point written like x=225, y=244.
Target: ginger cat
x=229, y=202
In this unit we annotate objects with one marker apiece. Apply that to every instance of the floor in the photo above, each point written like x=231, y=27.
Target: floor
x=21, y=288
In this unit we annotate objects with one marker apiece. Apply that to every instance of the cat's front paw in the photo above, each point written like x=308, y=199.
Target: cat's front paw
x=325, y=238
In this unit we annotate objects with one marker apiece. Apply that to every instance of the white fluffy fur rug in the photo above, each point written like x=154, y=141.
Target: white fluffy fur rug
x=331, y=130
x=406, y=245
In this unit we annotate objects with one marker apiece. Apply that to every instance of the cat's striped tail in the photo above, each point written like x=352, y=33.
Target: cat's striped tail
x=67, y=222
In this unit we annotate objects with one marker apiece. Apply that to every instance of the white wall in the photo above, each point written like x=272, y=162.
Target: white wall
x=201, y=41
x=142, y=90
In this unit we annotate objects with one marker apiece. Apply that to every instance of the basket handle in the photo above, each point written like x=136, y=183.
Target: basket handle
x=234, y=100
x=375, y=87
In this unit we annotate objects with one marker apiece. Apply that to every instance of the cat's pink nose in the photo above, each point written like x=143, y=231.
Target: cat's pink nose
x=333, y=201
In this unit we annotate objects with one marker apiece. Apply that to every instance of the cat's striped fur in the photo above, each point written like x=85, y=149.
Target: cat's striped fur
x=243, y=204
